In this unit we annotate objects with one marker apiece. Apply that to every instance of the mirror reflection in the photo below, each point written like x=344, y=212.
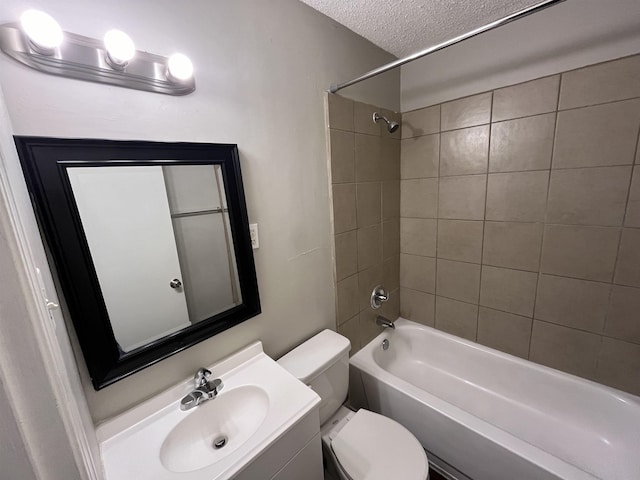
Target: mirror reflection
x=161, y=246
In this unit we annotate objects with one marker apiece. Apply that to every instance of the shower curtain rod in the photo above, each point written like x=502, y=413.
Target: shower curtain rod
x=422, y=53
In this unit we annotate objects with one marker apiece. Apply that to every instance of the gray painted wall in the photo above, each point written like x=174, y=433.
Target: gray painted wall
x=261, y=72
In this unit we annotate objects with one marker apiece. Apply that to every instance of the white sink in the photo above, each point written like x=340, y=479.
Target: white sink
x=260, y=401
x=215, y=429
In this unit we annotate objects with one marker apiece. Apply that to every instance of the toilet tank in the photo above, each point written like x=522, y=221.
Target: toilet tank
x=322, y=362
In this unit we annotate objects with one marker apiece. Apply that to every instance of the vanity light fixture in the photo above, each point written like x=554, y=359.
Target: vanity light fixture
x=42, y=30
x=39, y=42
x=179, y=67
x=120, y=49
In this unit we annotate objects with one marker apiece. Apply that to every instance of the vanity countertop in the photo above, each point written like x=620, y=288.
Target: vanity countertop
x=259, y=403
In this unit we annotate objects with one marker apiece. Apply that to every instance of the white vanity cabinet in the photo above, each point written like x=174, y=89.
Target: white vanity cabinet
x=264, y=424
x=296, y=455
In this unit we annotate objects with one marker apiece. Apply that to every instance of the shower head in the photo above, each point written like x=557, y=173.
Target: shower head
x=391, y=125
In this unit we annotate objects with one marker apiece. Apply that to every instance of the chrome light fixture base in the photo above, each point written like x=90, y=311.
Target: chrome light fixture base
x=85, y=58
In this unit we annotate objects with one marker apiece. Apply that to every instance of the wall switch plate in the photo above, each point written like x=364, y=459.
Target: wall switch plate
x=253, y=231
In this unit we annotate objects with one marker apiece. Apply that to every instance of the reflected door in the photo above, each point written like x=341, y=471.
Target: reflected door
x=126, y=220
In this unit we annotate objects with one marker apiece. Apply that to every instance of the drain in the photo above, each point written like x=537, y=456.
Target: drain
x=220, y=442
x=385, y=344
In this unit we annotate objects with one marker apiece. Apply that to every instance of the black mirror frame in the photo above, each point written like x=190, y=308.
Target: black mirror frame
x=44, y=161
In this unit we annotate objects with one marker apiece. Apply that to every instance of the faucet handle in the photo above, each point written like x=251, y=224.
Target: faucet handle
x=201, y=376
x=378, y=297
x=216, y=385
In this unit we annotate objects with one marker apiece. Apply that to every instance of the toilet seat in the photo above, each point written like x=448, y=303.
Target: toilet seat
x=373, y=447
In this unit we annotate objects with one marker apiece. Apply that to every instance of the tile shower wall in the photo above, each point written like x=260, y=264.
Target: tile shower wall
x=520, y=220
x=365, y=183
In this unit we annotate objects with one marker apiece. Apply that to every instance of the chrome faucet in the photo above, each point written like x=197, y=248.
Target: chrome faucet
x=385, y=322
x=204, y=390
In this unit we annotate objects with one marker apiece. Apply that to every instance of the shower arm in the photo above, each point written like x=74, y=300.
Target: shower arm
x=441, y=46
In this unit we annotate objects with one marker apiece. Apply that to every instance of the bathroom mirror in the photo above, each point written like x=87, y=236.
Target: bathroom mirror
x=150, y=242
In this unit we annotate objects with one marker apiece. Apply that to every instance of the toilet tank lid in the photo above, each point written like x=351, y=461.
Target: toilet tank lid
x=314, y=356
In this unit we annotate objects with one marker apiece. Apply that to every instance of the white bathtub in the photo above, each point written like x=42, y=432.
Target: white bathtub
x=494, y=416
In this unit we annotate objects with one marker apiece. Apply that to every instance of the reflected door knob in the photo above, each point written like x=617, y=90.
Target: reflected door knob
x=175, y=283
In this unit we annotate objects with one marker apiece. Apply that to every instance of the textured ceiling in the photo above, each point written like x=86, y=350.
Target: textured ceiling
x=403, y=27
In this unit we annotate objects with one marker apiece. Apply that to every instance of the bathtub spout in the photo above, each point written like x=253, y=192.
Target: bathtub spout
x=385, y=322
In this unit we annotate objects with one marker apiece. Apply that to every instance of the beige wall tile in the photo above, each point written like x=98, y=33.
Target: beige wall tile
x=367, y=280
x=346, y=254
x=465, y=152
x=628, y=265
x=368, y=156
x=340, y=112
x=421, y=122
x=597, y=136
x=417, y=306
x=351, y=330
x=363, y=119
x=457, y=318
x=623, y=319
x=418, y=273
x=419, y=198
x=418, y=236
x=508, y=290
x=524, y=99
x=343, y=166
x=390, y=199
x=344, y=207
x=619, y=365
x=458, y=280
x=420, y=156
x=391, y=273
x=517, y=197
x=466, y=112
x=588, y=196
x=605, y=82
x=368, y=328
x=369, y=246
x=391, y=238
x=574, y=303
x=633, y=208
x=504, y=331
x=390, y=159
x=523, y=144
x=564, y=348
x=588, y=253
x=368, y=203
x=347, y=298
x=462, y=198
x=512, y=245
x=460, y=240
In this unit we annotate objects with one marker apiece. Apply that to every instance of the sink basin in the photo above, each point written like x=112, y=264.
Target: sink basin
x=220, y=438
x=215, y=429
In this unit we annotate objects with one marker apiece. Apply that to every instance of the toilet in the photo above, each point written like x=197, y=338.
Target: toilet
x=358, y=445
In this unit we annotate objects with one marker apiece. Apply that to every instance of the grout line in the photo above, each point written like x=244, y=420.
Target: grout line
x=585, y=167
x=532, y=318
x=634, y=170
x=437, y=219
x=556, y=110
x=521, y=222
x=546, y=206
x=597, y=104
x=484, y=213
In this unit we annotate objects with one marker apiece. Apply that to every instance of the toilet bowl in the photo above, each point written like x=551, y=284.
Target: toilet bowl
x=360, y=445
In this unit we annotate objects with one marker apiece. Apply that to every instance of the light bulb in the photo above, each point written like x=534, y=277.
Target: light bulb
x=180, y=67
x=120, y=48
x=43, y=31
